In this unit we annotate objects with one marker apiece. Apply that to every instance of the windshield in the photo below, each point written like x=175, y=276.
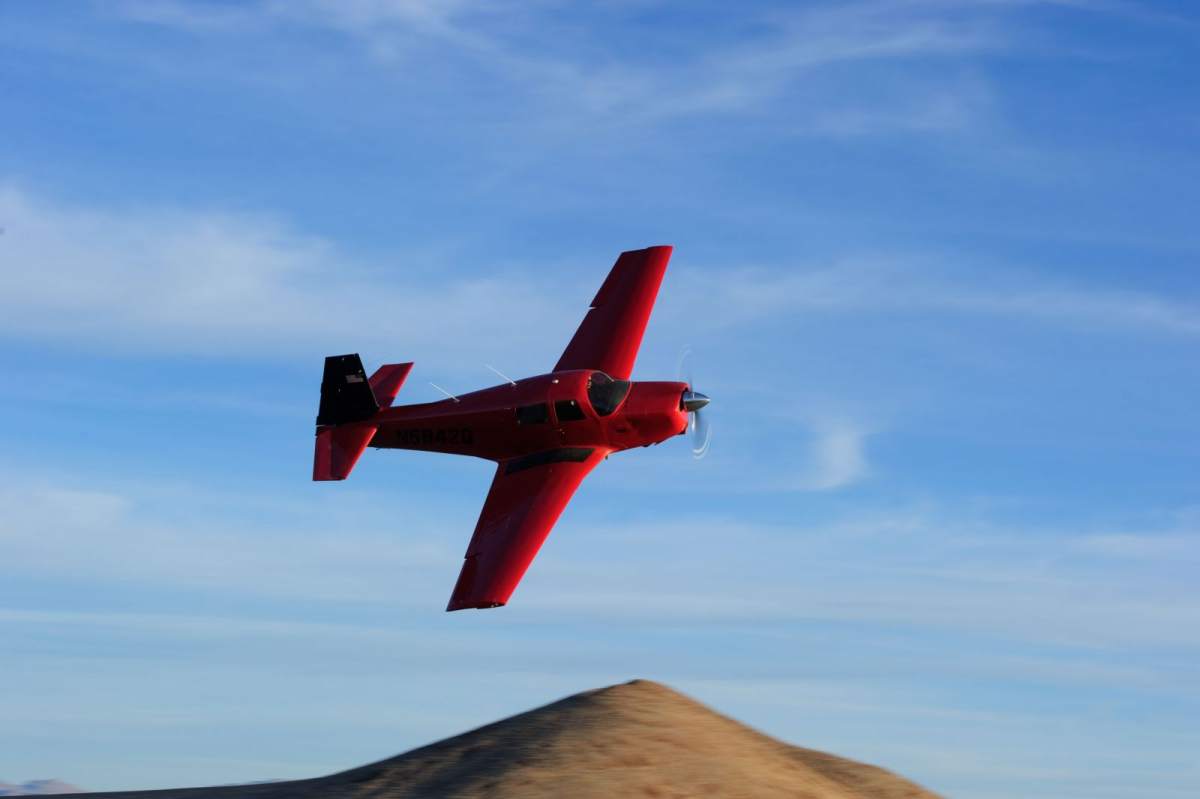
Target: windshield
x=606, y=394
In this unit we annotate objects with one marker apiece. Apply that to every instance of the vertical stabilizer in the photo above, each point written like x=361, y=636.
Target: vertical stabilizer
x=346, y=396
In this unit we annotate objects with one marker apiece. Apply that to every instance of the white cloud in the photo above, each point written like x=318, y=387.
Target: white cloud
x=117, y=536
x=907, y=568
x=1179, y=548
x=241, y=286
x=916, y=567
x=838, y=457
x=582, y=79
x=183, y=15
x=913, y=284
x=794, y=47
x=238, y=285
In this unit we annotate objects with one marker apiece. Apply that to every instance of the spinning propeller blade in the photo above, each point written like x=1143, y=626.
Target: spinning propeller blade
x=694, y=402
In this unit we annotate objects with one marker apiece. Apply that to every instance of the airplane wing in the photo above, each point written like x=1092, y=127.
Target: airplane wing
x=611, y=331
x=525, y=500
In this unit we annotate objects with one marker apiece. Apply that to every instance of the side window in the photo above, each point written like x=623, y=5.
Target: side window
x=568, y=411
x=533, y=414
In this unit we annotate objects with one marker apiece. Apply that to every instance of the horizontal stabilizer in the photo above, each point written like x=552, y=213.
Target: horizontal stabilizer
x=338, y=449
x=386, y=382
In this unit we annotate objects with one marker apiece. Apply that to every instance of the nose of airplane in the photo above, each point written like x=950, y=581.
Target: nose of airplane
x=693, y=401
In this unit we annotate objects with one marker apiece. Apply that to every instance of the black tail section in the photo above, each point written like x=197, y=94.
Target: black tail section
x=346, y=395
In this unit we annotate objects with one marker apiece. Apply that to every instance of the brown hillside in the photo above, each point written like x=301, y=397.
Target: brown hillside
x=639, y=739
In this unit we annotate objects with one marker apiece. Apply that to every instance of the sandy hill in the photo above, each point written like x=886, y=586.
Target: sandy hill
x=639, y=739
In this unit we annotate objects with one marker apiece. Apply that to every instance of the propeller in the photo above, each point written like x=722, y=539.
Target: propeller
x=693, y=402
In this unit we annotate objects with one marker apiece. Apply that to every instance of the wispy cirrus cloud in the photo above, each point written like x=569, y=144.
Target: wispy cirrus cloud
x=580, y=77
x=239, y=285
x=927, y=567
x=209, y=282
x=116, y=535
x=868, y=283
x=1178, y=548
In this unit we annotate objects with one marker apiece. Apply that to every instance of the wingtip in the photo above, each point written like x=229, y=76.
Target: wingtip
x=456, y=604
x=664, y=248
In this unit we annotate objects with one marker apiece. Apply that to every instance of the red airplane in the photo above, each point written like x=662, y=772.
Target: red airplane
x=545, y=433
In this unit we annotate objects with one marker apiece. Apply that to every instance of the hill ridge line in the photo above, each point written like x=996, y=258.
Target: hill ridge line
x=639, y=738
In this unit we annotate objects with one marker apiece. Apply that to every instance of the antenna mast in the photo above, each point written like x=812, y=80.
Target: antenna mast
x=444, y=391
x=497, y=371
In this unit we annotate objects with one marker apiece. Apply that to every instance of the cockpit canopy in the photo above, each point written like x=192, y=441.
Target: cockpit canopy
x=606, y=394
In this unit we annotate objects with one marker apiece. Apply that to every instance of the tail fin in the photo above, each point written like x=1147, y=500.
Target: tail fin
x=343, y=420
x=346, y=396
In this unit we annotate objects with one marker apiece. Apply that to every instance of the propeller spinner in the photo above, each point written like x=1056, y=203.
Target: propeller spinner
x=693, y=401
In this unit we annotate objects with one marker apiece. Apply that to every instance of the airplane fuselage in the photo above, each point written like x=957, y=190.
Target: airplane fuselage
x=582, y=409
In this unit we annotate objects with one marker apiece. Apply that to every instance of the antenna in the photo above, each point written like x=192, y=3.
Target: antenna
x=444, y=391
x=497, y=371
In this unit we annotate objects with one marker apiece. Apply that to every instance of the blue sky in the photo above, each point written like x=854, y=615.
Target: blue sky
x=937, y=262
